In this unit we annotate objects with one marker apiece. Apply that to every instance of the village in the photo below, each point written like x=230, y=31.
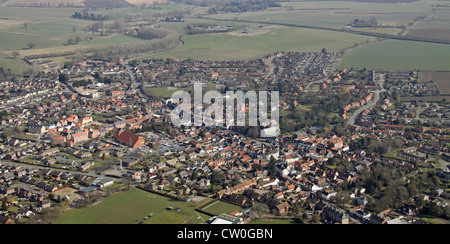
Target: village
x=95, y=127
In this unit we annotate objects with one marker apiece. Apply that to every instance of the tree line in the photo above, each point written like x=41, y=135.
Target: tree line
x=85, y=15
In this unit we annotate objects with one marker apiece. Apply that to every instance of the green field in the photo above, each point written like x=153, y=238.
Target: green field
x=12, y=64
x=336, y=14
x=219, y=207
x=261, y=42
x=49, y=29
x=131, y=207
x=399, y=55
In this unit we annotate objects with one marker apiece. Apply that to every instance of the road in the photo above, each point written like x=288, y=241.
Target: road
x=332, y=70
x=373, y=103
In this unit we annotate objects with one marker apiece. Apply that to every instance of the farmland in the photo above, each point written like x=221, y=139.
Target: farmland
x=243, y=47
x=336, y=14
x=399, y=55
x=49, y=31
x=440, y=79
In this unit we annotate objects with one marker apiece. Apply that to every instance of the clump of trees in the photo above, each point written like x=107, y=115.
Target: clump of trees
x=85, y=15
x=361, y=23
x=232, y=5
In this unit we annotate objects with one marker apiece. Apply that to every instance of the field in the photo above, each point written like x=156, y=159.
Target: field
x=399, y=55
x=425, y=99
x=12, y=64
x=336, y=14
x=440, y=79
x=69, y=3
x=438, y=34
x=226, y=46
x=49, y=30
x=218, y=207
x=147, y=2
x=47, y=3
x=132, y=207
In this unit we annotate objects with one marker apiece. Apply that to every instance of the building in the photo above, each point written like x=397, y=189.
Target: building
x=80, y=137
x=226, y=219
x=335, y=215
x=36, y=129
x=130, y=139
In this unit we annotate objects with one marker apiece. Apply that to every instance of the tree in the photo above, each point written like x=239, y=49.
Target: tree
x=31, y=45
x=4, y=207
x=272, y=170
x=15, y=54
x=63, y=78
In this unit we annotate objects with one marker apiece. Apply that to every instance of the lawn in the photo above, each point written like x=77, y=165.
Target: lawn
x=399, y=55
x=131, y=207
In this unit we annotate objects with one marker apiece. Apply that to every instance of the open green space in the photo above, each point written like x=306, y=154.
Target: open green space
x=399, y=55
x=219, y=207
x=132, y=207
x=12, y=64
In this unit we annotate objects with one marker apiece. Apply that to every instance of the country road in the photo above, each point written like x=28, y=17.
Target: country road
x=373, y=103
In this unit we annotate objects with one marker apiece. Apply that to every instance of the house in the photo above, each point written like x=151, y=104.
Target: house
x=36, y=129
x=282, y=208
x=118, y=94
x=335, y=215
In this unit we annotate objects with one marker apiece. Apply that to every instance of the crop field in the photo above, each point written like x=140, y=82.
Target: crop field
x=49, y=31
x=425, y=99
x=438, y=34
x=336, y=14
x=47, y=3
x=440, y=79
x=132, y=207
x=147, y=2
x=439, y=21
x=399, y=55
x=226, y=46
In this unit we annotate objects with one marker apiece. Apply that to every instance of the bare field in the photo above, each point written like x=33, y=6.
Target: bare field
x=425, y=99
x=147, y=2
x=438, y=34
x=440, y=79
x=46, y=3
